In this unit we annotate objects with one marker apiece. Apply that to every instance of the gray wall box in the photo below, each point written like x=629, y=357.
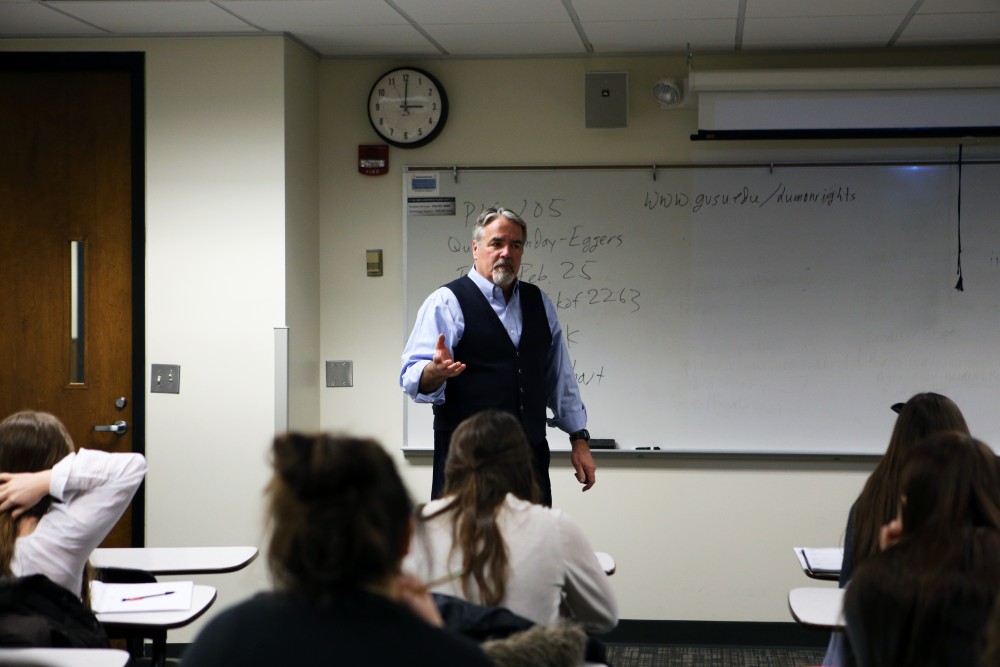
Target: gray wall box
x=340, y=374
x=606, y=98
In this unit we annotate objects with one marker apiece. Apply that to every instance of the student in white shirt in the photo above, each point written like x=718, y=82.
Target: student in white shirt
x=511, y=551
x=57, y=505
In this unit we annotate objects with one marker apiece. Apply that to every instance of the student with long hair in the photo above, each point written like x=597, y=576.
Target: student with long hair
x=57, y=504
x=924, y=414
x=340, y=521
x=925, y=599
x=510, y=551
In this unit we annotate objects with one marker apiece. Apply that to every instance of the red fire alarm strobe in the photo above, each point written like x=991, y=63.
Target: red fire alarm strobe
x=373, y=159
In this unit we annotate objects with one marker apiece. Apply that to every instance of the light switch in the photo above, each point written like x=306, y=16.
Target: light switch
x=374, y=260
x=166, y=379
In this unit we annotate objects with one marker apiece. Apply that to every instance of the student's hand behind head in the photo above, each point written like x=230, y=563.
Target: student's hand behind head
x=19, y=492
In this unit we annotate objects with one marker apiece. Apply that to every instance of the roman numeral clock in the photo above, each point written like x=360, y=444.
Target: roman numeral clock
x=407, y=107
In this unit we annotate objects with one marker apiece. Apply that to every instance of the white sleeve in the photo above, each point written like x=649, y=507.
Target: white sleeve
x=588, y=593
x=95, y=487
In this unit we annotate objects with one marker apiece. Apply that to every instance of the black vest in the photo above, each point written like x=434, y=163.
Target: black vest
x=498, y=375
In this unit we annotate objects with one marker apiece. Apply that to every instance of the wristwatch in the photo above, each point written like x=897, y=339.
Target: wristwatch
x=582, y=434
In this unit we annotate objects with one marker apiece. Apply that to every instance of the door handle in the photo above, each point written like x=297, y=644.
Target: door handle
x=120, y=427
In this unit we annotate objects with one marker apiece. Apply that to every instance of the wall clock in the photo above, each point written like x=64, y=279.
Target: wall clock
x=407, y=107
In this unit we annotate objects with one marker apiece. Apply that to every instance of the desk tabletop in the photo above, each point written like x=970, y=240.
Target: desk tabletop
x=820, y=563
x=60, y=657
x=819, y=607
x=176, y=560
x=201, y=600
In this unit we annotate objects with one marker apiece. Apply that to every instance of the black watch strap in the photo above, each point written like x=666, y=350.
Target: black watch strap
x=582, y=434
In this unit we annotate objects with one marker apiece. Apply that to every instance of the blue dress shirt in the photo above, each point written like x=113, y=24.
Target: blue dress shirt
x=441, y=314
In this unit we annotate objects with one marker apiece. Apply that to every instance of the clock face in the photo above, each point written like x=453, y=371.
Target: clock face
x=407, y=107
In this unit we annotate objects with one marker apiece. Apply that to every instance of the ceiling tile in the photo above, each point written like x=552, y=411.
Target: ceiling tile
x=28, y=19
x=661, y=36
x=484, y=11
x=366, y=41
x=153, y=16
x=518, y=39
x=819, y=32
x=823, y=8
x=655, y=10
x=287, y=15
x=942, y=29
x=958, y=6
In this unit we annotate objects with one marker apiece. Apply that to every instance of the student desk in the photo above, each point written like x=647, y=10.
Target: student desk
x=176, y=560
x=156, y=623
x=825, y=563
x=60, y=657
x=817, y=607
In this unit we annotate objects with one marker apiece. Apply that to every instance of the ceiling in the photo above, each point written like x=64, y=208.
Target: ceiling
x=509, y=28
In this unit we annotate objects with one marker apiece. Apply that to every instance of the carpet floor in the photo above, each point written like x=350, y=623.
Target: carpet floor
x=637, y=655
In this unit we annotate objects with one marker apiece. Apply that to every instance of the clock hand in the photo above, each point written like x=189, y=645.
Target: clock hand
x=406, y=94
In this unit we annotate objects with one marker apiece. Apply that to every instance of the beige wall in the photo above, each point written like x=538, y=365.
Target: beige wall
x=257, y=218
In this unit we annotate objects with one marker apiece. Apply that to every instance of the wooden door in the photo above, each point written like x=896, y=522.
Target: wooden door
x=66, y=235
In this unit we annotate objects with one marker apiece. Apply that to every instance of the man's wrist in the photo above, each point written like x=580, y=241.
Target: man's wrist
x=582, y=434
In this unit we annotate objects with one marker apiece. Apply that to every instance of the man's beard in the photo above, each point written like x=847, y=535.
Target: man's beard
x=503, y=273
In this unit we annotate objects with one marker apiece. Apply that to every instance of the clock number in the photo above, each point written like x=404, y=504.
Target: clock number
x=381, y=92
x=406, y=136
x=378, y=107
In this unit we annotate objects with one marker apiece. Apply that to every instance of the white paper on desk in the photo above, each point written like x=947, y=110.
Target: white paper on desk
x=821, y=559
x=117, y=598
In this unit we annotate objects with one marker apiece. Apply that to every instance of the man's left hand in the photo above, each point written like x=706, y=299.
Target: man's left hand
x=583, y=463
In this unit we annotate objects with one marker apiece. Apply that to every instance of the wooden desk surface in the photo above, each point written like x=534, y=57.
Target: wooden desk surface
x=176, y=560
x=61, y=657
x=818, y=607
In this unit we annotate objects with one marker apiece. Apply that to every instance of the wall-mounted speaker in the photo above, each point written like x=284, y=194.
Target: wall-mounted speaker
x=606, y=99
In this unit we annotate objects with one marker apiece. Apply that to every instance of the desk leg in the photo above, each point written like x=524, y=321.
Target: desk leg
x=159, y=657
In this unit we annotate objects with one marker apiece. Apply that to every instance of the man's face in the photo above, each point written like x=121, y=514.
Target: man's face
x=498, y=255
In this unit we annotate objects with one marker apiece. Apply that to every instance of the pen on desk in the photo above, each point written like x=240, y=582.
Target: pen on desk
x=143, y=597
x=454, y=574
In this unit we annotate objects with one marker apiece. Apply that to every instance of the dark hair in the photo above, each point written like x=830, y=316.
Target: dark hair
x=339, y=514
x=925, y=600
x=922, y=415
x=29, y=442
x=950, y=480
x=488, y=458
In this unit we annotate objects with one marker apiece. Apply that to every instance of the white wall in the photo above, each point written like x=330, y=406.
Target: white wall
x=302, y=235
x=232, y=134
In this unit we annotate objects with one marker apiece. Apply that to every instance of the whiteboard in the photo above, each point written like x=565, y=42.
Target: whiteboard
x=742, y=310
